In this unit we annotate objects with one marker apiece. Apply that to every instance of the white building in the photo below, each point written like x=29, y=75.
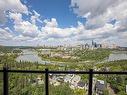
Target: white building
x=68, y=78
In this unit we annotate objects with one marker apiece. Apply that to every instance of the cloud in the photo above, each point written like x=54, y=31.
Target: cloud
x=100, y=33
x=94, y=8
x=100, y=12
x=51, y=23
x=51, y=30
x=17, y=17
x=51, y=33
x=20, y=38
x=24, y=27
x=35, y=17
x=5, y=34
x=121, y=26
x=13, y=6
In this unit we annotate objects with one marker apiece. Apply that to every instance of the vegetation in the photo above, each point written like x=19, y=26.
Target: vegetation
x=25, y=84
x=117, y=82
x=96, y=55
x=63, y=89
x=4, y=49
x=57, y=59
x=120, y=65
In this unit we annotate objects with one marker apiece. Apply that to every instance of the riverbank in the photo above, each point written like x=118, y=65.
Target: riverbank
x=84, y=57
x=80, y=56
x=86, y=65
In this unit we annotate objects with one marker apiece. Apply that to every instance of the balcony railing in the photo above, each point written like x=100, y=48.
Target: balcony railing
x=5, y=72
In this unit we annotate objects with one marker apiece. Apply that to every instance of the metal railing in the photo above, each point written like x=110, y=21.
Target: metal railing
x=5, y=72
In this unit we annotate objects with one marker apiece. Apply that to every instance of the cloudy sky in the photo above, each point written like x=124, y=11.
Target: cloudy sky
x=56, y=22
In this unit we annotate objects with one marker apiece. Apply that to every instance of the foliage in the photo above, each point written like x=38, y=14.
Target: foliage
x=57, y=59
x=25, y=84
x=97, y=54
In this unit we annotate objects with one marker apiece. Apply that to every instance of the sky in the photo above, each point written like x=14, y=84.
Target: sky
x=60, y=22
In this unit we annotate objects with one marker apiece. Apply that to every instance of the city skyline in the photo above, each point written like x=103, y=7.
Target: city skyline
x=59, y=22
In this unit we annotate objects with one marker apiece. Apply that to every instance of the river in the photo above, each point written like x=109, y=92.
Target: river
x=118, y=55
x=30, y=56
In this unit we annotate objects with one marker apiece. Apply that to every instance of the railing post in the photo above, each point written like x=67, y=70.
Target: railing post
x=90, y=81
x=46, y=82
x=5, y=81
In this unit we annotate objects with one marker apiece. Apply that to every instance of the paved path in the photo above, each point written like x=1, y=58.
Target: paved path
x=111, y=92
